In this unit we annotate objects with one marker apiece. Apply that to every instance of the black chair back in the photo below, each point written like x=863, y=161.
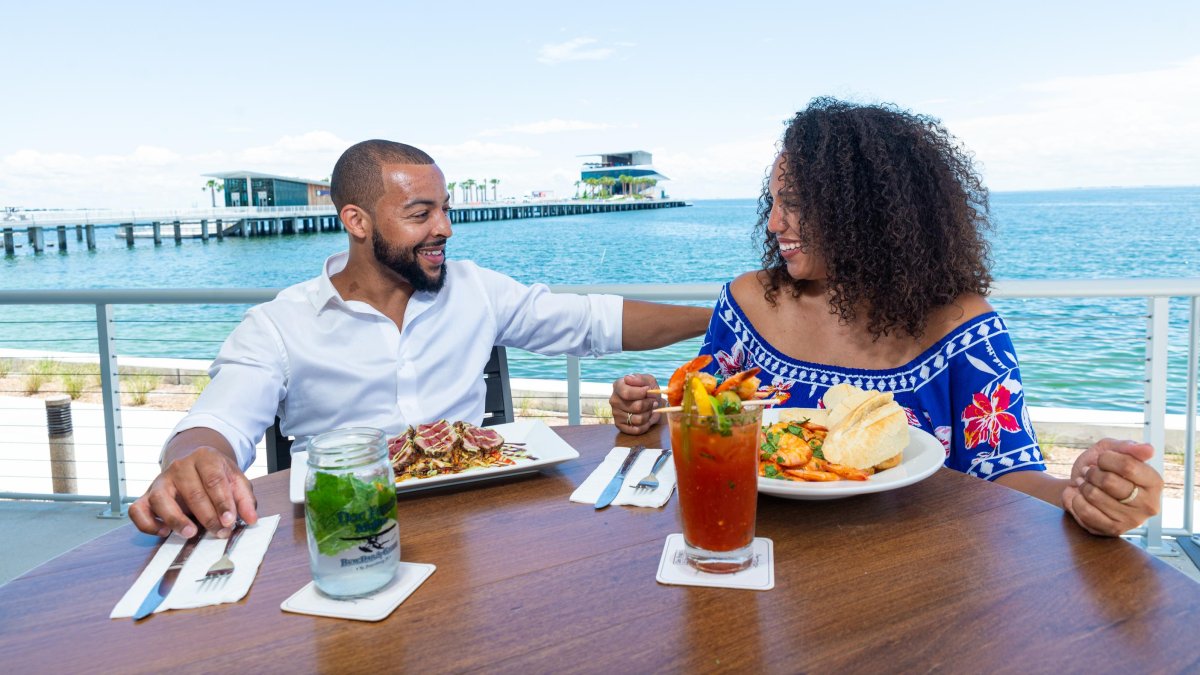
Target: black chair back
x=497, y=409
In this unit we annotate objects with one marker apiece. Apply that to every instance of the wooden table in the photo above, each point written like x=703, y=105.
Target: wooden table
x=952, y=573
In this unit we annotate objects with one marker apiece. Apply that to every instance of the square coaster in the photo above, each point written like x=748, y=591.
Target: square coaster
x=760, y=576
x=374, y=607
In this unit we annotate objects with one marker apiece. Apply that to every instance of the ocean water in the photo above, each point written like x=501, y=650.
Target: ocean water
x=1075, y=353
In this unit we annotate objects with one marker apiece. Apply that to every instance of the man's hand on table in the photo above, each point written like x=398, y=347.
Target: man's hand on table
x=1113, y=489
x=633, y=406
x=205, y=483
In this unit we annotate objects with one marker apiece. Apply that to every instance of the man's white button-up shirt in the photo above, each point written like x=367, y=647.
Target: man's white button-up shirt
x=321, y=363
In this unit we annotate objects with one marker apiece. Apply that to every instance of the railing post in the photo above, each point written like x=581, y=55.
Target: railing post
x=1155, y=407
x=111, y=396
x=1189, y=443
x=573, y=414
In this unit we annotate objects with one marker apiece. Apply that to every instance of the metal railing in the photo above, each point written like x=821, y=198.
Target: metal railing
x=1156, y=293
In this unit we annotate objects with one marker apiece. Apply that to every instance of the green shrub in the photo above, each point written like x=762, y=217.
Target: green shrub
x=199, y=382
x=139, y=386
x=38, y=375
x=603, y=412
x=6, y=367
x=75, y=379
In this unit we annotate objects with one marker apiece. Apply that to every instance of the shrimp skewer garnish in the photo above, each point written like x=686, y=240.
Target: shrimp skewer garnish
x=678, y=379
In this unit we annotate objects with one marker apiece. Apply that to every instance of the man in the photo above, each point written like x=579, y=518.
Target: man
x=391, y=334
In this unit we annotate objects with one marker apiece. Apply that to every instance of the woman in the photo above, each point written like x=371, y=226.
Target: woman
x=875, y=268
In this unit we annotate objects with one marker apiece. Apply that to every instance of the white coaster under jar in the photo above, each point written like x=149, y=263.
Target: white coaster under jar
x=760, y=576
x=374, y=607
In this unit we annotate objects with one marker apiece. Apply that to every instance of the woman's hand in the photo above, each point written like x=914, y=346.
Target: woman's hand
x=1113, y=489
x=633, y=405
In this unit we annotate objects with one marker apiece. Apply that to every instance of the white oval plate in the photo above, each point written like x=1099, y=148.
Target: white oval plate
x=922, y=458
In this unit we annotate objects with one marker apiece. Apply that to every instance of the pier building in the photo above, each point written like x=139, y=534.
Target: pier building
x=635, y=164
x=251, y=188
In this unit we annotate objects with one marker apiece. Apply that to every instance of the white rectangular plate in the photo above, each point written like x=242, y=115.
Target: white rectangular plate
x=545, y=447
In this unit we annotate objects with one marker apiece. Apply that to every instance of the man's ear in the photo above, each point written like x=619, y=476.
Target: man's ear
x=357, y=221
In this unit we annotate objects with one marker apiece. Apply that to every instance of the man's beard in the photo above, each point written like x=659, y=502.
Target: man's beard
x=405, y=263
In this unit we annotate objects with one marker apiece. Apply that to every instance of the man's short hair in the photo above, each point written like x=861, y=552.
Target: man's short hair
x=358, y=175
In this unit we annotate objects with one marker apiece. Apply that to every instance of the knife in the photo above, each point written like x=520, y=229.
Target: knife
x=614, y=485
x=159, y=593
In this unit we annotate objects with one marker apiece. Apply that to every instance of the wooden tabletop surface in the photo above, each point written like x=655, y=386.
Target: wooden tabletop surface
x=952, y=573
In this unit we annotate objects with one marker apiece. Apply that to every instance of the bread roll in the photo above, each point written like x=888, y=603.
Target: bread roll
x=865, y=445
x=866, y=428
x=814, y=415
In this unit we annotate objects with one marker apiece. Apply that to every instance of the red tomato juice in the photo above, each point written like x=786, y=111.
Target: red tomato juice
x=717, y=482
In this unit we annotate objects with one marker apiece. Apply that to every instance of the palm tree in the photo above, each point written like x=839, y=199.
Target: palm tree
x=577, y=189
x=494, y=182
x=450, y=188
x=481, y=189
x=214, y=186
x=608, y=182
x=466, y=188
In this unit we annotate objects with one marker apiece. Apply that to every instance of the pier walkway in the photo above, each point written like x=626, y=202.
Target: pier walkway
x=51, y=229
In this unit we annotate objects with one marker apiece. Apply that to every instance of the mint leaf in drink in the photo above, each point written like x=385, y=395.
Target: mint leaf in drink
x=341, y=510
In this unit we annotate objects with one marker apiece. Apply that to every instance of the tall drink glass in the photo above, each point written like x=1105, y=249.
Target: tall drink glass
x=716, y=465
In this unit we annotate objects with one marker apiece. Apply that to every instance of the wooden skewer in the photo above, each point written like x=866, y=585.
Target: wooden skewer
x=760, y=401
x=655, y=391
x=745, y=404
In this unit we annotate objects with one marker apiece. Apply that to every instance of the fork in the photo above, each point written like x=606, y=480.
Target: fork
x=650, y=482
x=223, y=567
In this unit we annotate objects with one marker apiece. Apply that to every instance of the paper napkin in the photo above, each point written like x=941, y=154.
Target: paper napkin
x=374, y=607
x=674, y=569
x=187, y=593
x=590, y=490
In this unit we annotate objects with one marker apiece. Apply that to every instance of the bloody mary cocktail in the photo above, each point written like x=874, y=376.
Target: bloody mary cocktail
x=716, y=466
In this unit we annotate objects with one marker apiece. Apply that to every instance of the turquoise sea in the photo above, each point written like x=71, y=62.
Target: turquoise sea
x=1075, y=353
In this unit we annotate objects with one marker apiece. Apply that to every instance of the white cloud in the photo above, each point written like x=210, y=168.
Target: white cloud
x=579, y=49
x=551, y=126
x=294, y=149
x=151, y=176
x=475, y=150
x=724, y=170
x=1118, y=129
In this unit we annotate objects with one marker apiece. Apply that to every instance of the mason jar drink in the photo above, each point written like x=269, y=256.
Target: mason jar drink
x=350, y=512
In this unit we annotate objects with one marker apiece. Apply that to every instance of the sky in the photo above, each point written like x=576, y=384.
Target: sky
x=128, y=104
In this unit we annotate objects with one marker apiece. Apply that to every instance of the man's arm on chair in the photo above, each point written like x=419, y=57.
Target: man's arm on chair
x=200, y=477
x=650, y=325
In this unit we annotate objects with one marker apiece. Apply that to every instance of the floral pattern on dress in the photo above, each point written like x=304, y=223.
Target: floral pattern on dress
x=733, y=361
x=987, y=416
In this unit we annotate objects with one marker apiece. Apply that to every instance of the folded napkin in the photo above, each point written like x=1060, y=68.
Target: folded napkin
x=187, y=593
x=590, y=490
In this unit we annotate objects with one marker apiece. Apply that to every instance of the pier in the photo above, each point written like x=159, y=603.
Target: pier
x=52, y=229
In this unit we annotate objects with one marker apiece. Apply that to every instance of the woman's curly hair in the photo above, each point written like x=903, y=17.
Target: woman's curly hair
x=891, y=202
